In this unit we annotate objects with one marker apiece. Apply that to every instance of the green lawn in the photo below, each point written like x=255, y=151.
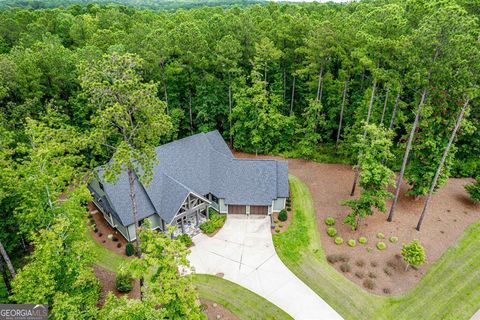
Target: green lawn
x=450, y=289
x=104, y=257
x=240, y=301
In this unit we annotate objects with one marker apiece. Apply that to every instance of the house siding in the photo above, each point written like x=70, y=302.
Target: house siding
x=279, y=204
x=222, y=206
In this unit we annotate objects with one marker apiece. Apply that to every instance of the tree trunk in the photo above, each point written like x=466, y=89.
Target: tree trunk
x=284, y=84
x=265, y=77
x=410, y=139
x=230, y=112
x=133, y=199
x=190, y=107
x=405, y=156
x=320, y=85
x=164, y=80
x=5, y=256
x=441, y=164
x=385, y=106
x=394, y=112
x=293, y=95
x=5, y=277
x=370, y=107
x=340, y=121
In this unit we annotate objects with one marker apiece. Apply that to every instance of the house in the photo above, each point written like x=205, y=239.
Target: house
x=193, y=174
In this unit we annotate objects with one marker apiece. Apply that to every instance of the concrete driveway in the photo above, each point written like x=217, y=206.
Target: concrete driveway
x=243, y=252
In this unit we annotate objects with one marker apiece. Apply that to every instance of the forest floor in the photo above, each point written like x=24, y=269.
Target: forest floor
x=450, y=213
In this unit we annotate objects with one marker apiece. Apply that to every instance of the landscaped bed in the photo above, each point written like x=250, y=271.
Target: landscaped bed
x=450, y=213
x=449, y=290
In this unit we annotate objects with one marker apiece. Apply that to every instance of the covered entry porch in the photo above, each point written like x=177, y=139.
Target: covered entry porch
x=192, y=213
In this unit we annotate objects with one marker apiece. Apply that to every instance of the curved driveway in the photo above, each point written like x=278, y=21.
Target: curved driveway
x=243, y=252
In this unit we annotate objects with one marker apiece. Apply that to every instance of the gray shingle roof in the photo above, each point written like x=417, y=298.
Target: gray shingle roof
x=201, y=164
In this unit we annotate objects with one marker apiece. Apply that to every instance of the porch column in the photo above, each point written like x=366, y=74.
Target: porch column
x=183, y=228
x=208, y=215
x=196, y=216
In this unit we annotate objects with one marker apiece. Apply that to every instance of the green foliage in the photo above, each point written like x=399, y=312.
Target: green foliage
x=393, y=239
x=381, y=245
x=362, y=240
x=380, y=235
x=186, y=239
x=330, y=221
x=474, y=190
x=414, y=253
x=352, y=242
x=338, y=240
x=215, y=222
x=282, y=215
x=375, y=177
x=332, y=232
x=59, y=272
x=129, y=249
x=123, y=281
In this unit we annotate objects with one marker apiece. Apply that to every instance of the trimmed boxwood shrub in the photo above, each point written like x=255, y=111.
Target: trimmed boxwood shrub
x=352, y=243
x=282, y=215
x=381, y=245
x=186, y=239
x=332, y=232
x=329, y=221
x=129, y=249
x=393, y=239
x=123, y=281
x=380, y=235
x=338, y=240
x=362, y=240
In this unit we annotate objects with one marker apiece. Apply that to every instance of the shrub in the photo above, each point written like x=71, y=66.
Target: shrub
x=277, y=230
x=333, y=258
x=381, y=245
x=360, y=263
x=369, y=284
x=119, y=245
x=95, y=230
x=393, y=239
x=372, y=275
x=289, y=209
x=114, y=239
x=474, y=190
x=380, y=235
x=282, y=215
x=129, y=249
x=332, y=232
x=388, y=271
x=100, y=234
x=186, y=239
x=386, y=290
x=362, y=240
x=374, y=264
x=338, y=240
x=369, y=249
x=345, y=267
x=352, y=243
x=123, y=281
x=329, y=221
x=414, y=254
x=359, y=274
x=215, y=222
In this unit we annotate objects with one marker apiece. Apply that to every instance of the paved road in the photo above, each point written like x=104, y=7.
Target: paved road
x=243, y=252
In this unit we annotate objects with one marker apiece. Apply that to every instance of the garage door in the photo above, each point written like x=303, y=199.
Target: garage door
x=233, y=209
x=258, y=209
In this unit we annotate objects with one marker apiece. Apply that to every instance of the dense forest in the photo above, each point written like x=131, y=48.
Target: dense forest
x=297, y=80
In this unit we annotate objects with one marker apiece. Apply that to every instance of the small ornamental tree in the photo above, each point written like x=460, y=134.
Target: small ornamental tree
x=413, y=254
x=474, y=190
x=375, y=177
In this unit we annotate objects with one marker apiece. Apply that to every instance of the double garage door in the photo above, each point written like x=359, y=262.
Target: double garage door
x=235, y=209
